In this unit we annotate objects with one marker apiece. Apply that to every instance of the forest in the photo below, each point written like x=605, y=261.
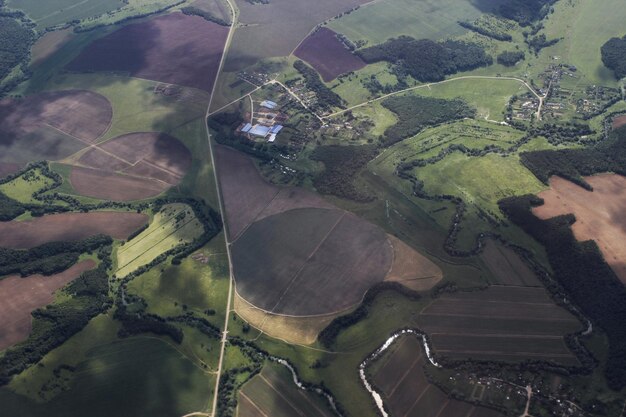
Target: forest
x=194, y=11
x=416, y=113
x=510, y=58
x=573, y=164
x=325, y=96
x=49, y=258
x=341, y=164
x=614, y=56
x=426, y=60
x=9, y=208
x=525, y=12
x=15, y=43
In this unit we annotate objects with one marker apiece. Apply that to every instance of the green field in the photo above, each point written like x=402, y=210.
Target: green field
x=191, y=286
x=55, y=12
x=23, y=187
x=379, y=21
x=88, y=13
x=139, y=377
x=585, y=26
x=174, y=225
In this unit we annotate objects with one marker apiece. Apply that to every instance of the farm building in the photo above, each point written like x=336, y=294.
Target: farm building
x=260, y=130
x=269, y=104
x=246, y=128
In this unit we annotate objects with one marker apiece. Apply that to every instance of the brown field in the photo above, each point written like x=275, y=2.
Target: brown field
x=273, y=393
x=401, y=381
x=324, y=52
x=412, y=269
x=248, y=197
x=600, y=215
x=619, y=121
x=507, y=266
x=52, y=125
x=503, y=322
x=309, y=262
x=175, y=48
x=116, y=187
x=147, y=155
x=276, y=29
x=68, y=227
x=296, y=330
x=20, y=296
x=48, y=44
x=7, y=168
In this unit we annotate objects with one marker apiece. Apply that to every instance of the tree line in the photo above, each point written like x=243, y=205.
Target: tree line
x=426, y=60
x=326, y=97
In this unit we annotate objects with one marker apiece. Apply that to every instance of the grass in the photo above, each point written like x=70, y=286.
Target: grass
x=142, y=376
x=174, y=225
x=56, y=12
x=585, y=27
x=136, y=107
x=22, y=189
x=190, y=286
x=379, y=21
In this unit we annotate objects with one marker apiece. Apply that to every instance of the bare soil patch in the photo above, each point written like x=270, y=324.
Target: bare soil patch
x=20, y=296
x=8, y=168
x=146, y=155
x=51, y=125
x=175, y=48
x=327, y=54
x=412, y=269
x=502, y=323
x=115, y=187
x=507, y=266
x=619, y=121
x=600, y=215
x=68, y=227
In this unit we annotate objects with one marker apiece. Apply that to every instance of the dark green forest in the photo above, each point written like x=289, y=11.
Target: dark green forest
x=426, y=60
x=573, y=164
x=326, y=97
x=416, y=113
x=510, y=58
x=15, y=43
x=614, y=56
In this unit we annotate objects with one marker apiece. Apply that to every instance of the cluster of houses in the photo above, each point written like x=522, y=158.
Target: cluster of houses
x=265, y=123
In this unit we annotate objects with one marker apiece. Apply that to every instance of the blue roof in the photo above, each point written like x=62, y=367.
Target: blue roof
x=276, y=129
x=260, y=130
x=246, y=128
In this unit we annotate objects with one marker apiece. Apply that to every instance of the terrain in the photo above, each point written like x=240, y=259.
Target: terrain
x=345, y=208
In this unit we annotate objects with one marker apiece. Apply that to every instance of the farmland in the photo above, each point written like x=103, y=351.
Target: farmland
x=276, y=29
x=113, y=186
x=619, y=121
x=507, y=267
x=59, y=123
x=406, y=390
x=68, y=227
x=146, y=155
x=52, y=13
x=330, y=253
x=20, y=296
x=375, y=23
x=272, y=393
x=500, y=323
x=324, y=52
x=176, y=49
x=598, y=213
x=173, y=225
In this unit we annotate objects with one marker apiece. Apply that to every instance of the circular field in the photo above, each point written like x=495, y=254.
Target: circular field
x=310, y=261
